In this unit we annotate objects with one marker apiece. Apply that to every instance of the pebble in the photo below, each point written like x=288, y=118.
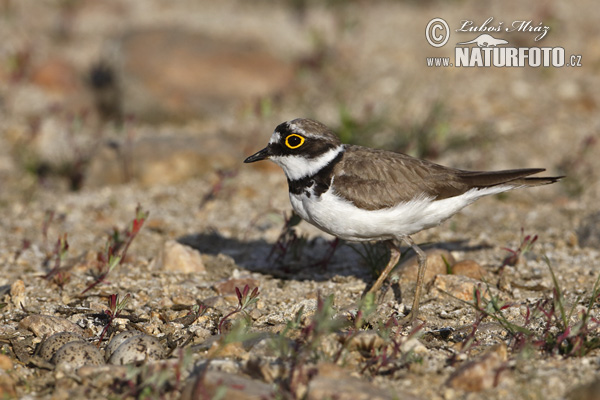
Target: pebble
x=469, y=268
x=228, y=386
x=6, y=363
x=437, y=264
x=176, y=257
x=228, y=286
x=458, y=286
x=7, y=386
x=47, y=325
x=482, y=373
x=51, y=345
x=74, y=355
x=17, y=293
x=333, y=382
x=116, y=341
x=137, y=348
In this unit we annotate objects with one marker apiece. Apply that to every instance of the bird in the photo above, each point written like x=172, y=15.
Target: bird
x=359, y=194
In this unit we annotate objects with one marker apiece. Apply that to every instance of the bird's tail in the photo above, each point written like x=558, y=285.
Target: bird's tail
x=516, y=177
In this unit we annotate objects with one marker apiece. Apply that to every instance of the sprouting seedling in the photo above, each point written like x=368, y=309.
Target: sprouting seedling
x=114, y=310
x=524, y=247
x=245, y=300
x=60, y=254
x=116, y=247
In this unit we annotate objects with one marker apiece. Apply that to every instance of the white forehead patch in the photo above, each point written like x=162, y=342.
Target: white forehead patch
x=275, y=137
x=296, y=129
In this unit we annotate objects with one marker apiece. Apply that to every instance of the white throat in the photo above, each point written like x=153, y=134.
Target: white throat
x=298, y=167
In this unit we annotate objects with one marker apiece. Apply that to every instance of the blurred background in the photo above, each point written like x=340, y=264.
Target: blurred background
x=96, y=93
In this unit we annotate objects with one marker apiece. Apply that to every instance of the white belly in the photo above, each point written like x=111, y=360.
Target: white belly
x=341, y=218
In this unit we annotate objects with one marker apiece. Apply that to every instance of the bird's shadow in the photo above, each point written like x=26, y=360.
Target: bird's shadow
x=305, y=260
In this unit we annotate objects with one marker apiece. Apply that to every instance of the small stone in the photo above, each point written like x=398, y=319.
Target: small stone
x=438, y=261
x=332, y=382
x=482, y=373
x=137, y=348
x=229, y=386
x=7, y=386
x=51, y=345
x=116, y=341
x=17, y=293
x=177, y=257
x=6, y=363
x=458, y=286
x=47, y=325
x=74, y=355
x=469, y=268
x=228, y=286
x=233, y=350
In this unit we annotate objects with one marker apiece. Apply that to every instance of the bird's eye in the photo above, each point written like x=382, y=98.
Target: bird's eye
x=294, y=141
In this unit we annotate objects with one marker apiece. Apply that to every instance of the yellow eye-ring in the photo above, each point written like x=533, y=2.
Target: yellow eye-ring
x=294, y=141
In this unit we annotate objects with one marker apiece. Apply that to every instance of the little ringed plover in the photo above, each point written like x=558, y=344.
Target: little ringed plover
x=361, y=194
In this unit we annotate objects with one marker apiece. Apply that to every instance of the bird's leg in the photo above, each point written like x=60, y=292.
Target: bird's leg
x=422, y=258
x=394, y=257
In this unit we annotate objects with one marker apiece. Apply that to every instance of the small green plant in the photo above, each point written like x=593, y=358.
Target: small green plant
x=116, y=248
x=115, y=307
x=526, y=245
x=547, y=324
x=245, y=300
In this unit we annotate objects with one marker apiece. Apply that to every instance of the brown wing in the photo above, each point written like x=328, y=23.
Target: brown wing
x=375, y=179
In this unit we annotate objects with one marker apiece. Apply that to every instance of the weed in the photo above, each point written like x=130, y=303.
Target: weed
x=59, y=254
x=116, y=248
x=245, y=300
x=557, y=334
x=114, y=310
x=525, y=246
